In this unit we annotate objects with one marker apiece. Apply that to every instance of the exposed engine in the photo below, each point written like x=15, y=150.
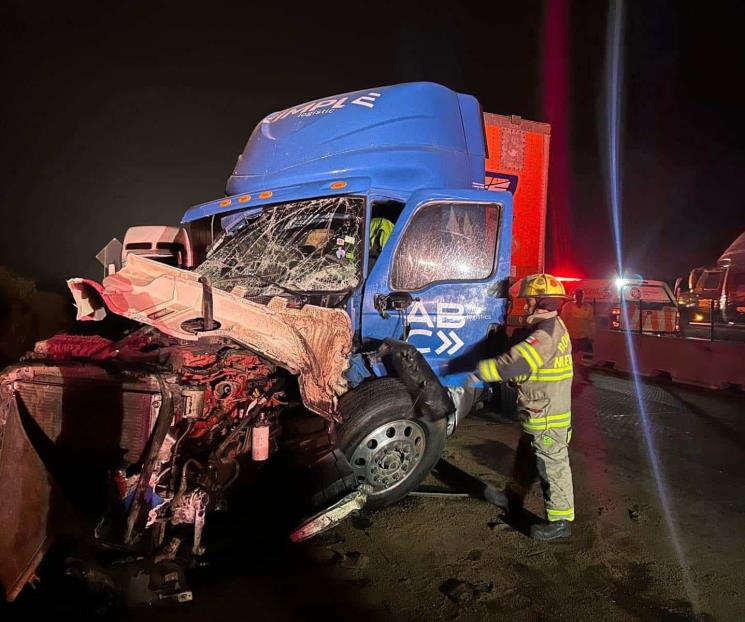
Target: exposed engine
x=162, y=422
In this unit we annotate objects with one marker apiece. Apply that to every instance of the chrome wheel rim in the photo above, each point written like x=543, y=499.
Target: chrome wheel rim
x=388, y=455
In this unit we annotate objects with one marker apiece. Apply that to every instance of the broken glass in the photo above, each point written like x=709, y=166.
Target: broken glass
x=305, y=246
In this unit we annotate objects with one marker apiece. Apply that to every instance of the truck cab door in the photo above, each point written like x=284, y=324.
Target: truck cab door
x=733, y=296
x=440, y=282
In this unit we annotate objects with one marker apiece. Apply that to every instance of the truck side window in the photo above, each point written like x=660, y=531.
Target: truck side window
x=710, y=281
x=447, y=242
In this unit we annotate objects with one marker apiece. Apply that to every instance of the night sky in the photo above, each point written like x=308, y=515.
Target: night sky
x=112, y=117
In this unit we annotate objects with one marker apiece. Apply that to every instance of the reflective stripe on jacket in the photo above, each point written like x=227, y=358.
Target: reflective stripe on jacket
x=541, y=368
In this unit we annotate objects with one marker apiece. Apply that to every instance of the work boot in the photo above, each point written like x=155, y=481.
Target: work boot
x=551, y=530
x=496, y=497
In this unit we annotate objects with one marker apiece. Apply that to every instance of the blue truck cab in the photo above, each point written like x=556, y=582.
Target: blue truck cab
x=413, y=154
x=310, y=184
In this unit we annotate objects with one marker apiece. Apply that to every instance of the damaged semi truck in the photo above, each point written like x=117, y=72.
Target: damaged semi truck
x=271, y=320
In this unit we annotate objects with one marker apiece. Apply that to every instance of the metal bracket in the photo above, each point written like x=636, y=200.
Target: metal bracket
x=333, y=515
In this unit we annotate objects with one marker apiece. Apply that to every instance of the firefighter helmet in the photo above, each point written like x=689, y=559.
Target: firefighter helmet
x=541, y=286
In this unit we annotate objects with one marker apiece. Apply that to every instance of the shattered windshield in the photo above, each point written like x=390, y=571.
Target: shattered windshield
x=305, y=247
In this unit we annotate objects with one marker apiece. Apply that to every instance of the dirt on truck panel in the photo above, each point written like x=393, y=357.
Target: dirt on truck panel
x=446, y=559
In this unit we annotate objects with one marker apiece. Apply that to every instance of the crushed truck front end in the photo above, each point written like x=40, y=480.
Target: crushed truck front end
x=276, y=310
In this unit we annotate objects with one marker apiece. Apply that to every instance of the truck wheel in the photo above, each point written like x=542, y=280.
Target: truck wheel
x=388, y=446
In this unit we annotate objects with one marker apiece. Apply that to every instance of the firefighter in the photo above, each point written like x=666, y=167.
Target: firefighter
x=380, y=230
x=580, y=321
x=540, y=367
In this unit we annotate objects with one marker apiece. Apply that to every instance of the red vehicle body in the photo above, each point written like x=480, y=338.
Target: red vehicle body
x=517, y=161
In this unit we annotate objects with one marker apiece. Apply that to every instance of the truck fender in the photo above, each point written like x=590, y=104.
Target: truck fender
x=431, y=400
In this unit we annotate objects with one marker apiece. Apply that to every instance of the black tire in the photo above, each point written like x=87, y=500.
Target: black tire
x=374, y=404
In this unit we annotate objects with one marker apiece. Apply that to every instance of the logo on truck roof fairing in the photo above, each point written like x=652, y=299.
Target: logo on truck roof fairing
x=324, y=106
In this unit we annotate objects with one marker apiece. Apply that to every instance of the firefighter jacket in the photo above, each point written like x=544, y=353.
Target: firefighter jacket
x=579, y=320
x=541, y=368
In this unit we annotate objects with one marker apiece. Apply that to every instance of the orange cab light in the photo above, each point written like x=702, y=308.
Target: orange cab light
x=225, y=202
x=266, y=194
x=338, y=185
x=245, y=198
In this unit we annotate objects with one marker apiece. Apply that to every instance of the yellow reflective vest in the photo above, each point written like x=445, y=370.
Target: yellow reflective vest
x=541, y=368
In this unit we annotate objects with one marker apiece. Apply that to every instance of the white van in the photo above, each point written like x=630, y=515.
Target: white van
x=652, y=301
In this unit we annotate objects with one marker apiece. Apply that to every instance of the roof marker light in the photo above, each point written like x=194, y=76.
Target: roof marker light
x=266, y=194
x=338, y=185
x=244, y=199
x=225, y=202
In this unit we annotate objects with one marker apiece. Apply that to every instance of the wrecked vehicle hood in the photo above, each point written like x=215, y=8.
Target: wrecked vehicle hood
x=312, y=342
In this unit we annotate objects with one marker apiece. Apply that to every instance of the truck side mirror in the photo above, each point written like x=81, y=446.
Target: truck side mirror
x=693, y=278
x=110, y=257
x=395, y=301
x=499, y=289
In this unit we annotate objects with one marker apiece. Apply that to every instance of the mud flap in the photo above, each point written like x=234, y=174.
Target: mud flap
x=430, y=398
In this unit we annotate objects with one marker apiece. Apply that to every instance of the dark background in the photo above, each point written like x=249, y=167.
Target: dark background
x=122, y=113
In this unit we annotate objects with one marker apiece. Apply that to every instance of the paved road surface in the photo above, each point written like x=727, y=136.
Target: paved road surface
x=442, y=559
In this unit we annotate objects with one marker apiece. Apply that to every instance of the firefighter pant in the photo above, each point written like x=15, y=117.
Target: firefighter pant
x=544, y=454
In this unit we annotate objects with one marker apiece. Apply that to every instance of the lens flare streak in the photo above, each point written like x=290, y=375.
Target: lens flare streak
x=614, y=86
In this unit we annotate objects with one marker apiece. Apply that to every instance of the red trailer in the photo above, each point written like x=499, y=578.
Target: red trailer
x=517, y=161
